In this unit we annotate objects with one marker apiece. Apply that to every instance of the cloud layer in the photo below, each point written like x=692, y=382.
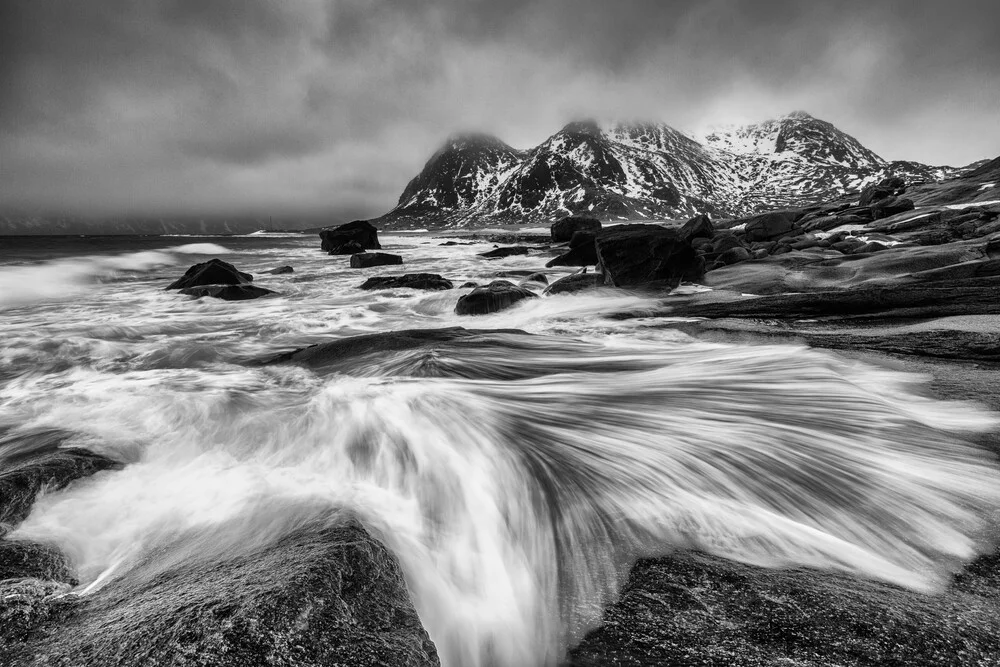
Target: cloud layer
x=306, y=106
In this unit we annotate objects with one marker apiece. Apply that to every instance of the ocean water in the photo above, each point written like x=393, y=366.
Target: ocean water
x=515, y=476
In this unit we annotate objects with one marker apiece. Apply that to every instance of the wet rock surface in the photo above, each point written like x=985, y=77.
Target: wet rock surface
x=498, y=295
x=228, y=292
x=212, y=272
x=427, y=281
x=366, y=260
x=350, y=238
x=647, y=256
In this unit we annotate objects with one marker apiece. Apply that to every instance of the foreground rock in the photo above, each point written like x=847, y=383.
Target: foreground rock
x=327, y=593
x=212, y=272
x=692, y=609
x=563, y=230
x=428, y=281
x=492, y=298
x=350, y=238
x=646, y=256
x=366, y=260
x=228, y=292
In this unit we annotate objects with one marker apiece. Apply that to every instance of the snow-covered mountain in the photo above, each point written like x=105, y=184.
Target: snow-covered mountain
x=635, y=171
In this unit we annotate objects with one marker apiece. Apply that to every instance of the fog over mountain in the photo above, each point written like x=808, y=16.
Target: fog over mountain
x=327, y=109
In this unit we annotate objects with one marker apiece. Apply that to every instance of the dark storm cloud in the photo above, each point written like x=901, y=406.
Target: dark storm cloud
x=150, y=105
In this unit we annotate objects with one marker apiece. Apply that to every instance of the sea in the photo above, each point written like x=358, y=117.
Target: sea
x=516, y=476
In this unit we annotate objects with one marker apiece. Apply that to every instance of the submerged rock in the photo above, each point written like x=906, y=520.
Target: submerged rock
x=646, y=255
x=505, y=252
x=212, y=272
x=576, y=283
x=365, y=260
x=431, y=281
x=280, y=270
x=327, y=593
x=350, y=238
x=228, y=292
x=492, y=298
x=563, y=230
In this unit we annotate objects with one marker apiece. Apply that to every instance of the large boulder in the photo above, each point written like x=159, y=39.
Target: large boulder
x=212, y=272
x=891, y=206
x=498, y=253
x=492, y=298
x=228, y=292
x=365, y=260
x=646, y=255
x=321, y=592
x=563, y=230
x=888, y=187
x=700, y=226
x=771, y=225
x=431, y=281
x=360, y=232
x=581, y=251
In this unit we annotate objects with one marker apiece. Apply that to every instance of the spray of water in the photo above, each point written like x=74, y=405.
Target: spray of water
x=516, y=477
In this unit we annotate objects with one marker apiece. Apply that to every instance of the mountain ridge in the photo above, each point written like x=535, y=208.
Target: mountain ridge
x=643, y=170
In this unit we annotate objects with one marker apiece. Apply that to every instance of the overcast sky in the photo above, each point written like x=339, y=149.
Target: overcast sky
x=135, y=106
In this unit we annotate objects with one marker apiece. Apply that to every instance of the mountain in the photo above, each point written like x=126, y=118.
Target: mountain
x=645, y=170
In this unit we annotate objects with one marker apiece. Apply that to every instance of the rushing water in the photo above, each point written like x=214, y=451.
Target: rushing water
x=515, y=476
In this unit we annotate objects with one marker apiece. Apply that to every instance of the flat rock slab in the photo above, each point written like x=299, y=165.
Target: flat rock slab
x=426, y=281
x=365, y=260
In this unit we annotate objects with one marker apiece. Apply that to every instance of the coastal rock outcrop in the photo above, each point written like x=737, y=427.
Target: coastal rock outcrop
x=350, y=238
x=647, y=256
x=492, y=298
x=213, y=272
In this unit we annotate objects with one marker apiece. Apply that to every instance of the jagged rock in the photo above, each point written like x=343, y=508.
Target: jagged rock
x=212, y=272
x=492, y=298
x=576, y=283
x=429, y=281
x=646, y=255
x=505, y=252
x=326, y=593
x=700, y=226
x=37, y=459
x=563, y=230
x=772, y=225
x=280, y=270
x=366, y=260
x=228, y=292
x=891, y=206
x=360, y=232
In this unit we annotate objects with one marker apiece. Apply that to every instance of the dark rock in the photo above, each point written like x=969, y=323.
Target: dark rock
x=280, y=270
x=891, y=206
x=468, y=284
x=725, y=243
x=772, y=225
x=33, y=460
x=581, y=252
x=228, y=292
x=20, y=559
x=349, y=248
x=540, y=278
x=646, y=255
x=366, y=260
x=734, y=256
x=576, y=283
x=325, y=593
x=935, y=237
x=888, y=187
x=823, y=224
x=766, y=246
x=760, y=253
x=492, y=298
x=505, y=252
x=563, y=230
x=871, y=246
x=212, y=272
x=431, y=281
x=701, y=244
x=804, y=242
x=449, y=243
x=24, y=605
x=848, y=245
x=361, y=232
x=700, y=226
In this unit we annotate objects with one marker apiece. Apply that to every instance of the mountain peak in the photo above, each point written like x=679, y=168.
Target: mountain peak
x=800, y=115
x=474, y=140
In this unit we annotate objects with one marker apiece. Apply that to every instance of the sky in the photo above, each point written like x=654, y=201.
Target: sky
x=329, y=107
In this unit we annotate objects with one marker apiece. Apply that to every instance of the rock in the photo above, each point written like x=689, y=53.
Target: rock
x=888, y=187
x=449, y=243
x=228, y=292
x=563, y=230
x=804, y=242
x=280, y=270
x=505, y=252
x=361, y=232
x=724, y=243
x=539, y=278
x=701, y=244
x=24, y=605
x=823, y=224
x=324, y=593
x=734, y=256
x=769, y=226
x=581, y=252
x=37, y=459
x=430, y=281
x=349, y=248
x=891, y=206
x=646, y=255
x=848, y=245
x=700, y=226
x=468, y=284
x=871, y=246
x=212, y=272
x=366, y=260
x=492, y=298
x=935, y=237
x=759, y=253
x=20, y=559
x=576, y=283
